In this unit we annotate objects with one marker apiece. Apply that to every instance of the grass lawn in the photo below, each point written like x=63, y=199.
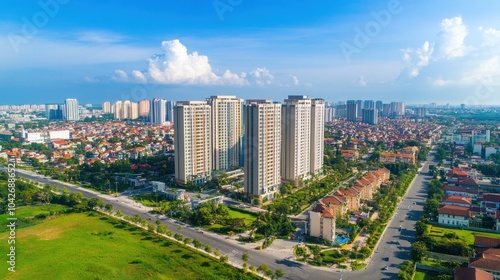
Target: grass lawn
x=358, y=266
x=249, y=218
x=467, y=235
x=421, y=275
x=26, y=215
x=93, y=246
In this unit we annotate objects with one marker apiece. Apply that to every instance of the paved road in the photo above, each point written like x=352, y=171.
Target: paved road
x=387, y=246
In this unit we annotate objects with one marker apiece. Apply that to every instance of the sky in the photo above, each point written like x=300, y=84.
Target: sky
x=393, y=50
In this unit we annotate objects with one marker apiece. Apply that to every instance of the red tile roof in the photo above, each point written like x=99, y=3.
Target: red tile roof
x=457, y=199
x=489, y=242
x=455, y=210
x=489, y=260
x=472, y=273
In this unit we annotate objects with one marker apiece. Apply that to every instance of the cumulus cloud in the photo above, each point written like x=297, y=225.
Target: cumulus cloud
x=295, y=80
x=175, y=65
x=452, y=36
x=417, y=59
x=491, y=36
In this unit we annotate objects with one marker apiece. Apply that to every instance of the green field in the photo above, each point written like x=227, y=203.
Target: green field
x=467, y=235
x=219, y=228
x=94, y=246
x=421, y=275
x=249, y=218
x=27, y=216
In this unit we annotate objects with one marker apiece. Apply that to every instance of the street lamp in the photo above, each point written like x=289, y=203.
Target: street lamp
x=116, y=186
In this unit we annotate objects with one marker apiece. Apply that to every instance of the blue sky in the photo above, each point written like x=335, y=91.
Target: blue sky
x=412, y=51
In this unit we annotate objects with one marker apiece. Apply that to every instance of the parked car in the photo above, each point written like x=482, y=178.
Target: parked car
x=385, y=268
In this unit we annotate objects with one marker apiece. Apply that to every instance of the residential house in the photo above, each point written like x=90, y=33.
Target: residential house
x=454, y=215
x=457, y=200
x=490, y=203
x=489, y=261
x=321, y=222
x=472, y=273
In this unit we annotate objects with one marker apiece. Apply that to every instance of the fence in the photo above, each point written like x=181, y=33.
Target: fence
x=446, y=257
x=433, y=269
x=462, y=227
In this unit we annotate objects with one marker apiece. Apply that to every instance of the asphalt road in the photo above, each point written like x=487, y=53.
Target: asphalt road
x=387, y=246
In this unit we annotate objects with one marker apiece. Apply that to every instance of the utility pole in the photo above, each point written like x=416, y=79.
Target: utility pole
x=116, y=185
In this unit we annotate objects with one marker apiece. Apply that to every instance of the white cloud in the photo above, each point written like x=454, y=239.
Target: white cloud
x=295, y=80
x=417, y=59
x=488, y=71
x=441, y=82
x=100, y=37
x=362, y=81
x=491, y=36
x=175, y=65
x=452, y=36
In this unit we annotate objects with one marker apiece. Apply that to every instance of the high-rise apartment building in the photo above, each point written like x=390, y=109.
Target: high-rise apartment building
x=368, y=104
x=192, y=142
x=118, y=110
x=379, y=105
x=170, y=111
x=359, y=104
x=227, y=131
x=106, y=107
x=352, y=110
x=71, y=111
x=317, y=136
x=397, y=109
x=262, y=148
x=296, y=138
x=127, y=109
x=144, y=106
x=54, y=112
x=386, y=110
x=157, y=111
x=134, y=111
x=329, y=114
x=370, y=116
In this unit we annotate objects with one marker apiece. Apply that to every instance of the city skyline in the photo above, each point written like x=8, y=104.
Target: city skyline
x=335, y=51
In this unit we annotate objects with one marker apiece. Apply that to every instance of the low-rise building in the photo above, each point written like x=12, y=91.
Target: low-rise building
x=454, y=215
x=457, y=200
x=321, y=222
x=489, y=261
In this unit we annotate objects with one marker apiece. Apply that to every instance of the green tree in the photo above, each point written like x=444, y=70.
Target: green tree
x=420, y=227
x=279, y=273
x=245, y=257
x=418, y=251
x=108, y=207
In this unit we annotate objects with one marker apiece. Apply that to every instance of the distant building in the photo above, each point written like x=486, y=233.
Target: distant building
x=71, y=112
x=158, y=111
x=397, y=109
x=352, y=111
x=106, y=107
x=170, y=111
x=144, y=108
x=370, y=116
x=368, y=104
x=54, y=112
